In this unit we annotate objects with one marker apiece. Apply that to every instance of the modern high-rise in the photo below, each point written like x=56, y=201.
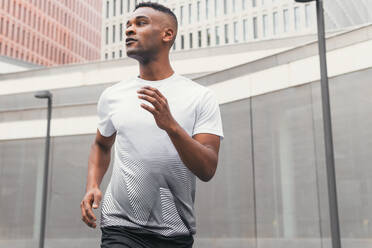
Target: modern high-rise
x=50, y=32
x=207, y=23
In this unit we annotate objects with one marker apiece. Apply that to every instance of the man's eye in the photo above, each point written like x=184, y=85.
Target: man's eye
x=141, y=22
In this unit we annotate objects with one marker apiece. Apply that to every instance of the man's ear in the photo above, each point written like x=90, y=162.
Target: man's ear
x=168, y=35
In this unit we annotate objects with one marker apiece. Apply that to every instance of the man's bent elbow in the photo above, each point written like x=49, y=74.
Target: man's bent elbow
x=209, y=174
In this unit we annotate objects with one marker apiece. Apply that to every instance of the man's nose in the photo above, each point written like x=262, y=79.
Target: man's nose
x=130, y=30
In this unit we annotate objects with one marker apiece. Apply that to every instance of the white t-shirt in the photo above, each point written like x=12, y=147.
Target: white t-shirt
x=150, y=187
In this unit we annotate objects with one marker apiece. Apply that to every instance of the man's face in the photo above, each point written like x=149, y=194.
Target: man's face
x=144, y=33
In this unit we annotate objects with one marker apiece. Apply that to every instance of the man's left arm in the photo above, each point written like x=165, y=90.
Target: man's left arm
x=200, y=152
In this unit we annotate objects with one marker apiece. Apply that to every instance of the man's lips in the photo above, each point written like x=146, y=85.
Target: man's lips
x=129, y=41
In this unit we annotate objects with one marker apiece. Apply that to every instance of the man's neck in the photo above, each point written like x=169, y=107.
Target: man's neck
x=156, y=70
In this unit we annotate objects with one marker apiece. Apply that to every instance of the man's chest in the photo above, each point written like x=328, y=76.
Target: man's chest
x=129, y=117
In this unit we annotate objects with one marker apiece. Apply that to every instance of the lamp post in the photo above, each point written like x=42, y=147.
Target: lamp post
x=327, y=125
x=48, y=95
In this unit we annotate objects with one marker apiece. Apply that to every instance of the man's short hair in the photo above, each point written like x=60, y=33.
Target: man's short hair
x=161, y=8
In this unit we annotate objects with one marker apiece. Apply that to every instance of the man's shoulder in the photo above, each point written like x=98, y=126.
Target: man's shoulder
x=190, y=83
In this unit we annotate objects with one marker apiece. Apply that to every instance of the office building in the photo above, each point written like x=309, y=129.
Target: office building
x=211, y=23
x=50, y=32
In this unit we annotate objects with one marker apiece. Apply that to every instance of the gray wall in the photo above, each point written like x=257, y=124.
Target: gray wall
x=270, y=189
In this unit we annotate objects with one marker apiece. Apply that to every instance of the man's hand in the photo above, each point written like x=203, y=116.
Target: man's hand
x=161, y=112
x=92, y=196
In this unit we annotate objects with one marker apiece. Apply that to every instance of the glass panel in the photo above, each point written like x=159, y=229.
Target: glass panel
x=225, y=205
x=67, y=187
x=352, y=119
x=286, y=170
x=21, y=173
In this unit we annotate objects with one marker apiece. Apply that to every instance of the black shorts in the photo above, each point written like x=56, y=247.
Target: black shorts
x=126, y=237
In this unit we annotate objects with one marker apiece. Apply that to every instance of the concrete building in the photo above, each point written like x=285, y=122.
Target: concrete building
x=50, y=32
x=270, y=189
x=211, y=23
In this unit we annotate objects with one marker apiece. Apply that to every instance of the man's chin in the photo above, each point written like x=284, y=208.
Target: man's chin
x=134, y=55
x=132, y=52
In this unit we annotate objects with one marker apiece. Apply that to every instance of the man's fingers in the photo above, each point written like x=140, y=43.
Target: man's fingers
x=89, y=212
x=87, y=215
x=84, y=216
x=159, y=93
x=152, y=100
x=148, y=108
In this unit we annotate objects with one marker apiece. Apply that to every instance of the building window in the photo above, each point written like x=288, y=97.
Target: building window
x=254, y=3
x=174, y=45
x=128, y=5
x=226, y=28
x=307, y=15
x=233, y=6
x=113, y=55
x=181, y=15
x=107, y=35
x=18, y=34
x=190, y=12
x=113, y=33
x=190, y=40
x=215, y=8
x=264, y=25
x=114, y=8
x=121, y=31
x=236, y=39
x=199, y=38
x=263, y=2
x=120, y=53
x=198, y=10
x=245, y=29
x=217, y=34
x=121, y=7
x=107, y=9
x=206, y=9
x=275, y=23
x=182, y=42
x=12, y=35
x=285, y=20
x=225, y=7
x=244, y=4
x=208, y=32
x=297, y=18
x=254, y=27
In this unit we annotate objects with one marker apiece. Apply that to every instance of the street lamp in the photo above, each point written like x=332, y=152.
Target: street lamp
x=48, y=95
x=327, y=125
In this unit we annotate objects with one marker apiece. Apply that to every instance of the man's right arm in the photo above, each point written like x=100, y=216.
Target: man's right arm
x=99, y=161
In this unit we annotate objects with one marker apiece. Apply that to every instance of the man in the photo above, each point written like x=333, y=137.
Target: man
x=166, y=130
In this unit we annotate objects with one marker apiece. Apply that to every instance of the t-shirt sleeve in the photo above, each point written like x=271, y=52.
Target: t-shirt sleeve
x=105, y=126
x=208, y=117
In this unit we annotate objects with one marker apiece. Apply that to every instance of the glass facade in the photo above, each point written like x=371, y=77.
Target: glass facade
x=269, y=191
